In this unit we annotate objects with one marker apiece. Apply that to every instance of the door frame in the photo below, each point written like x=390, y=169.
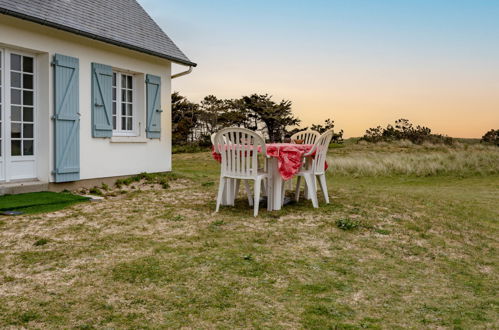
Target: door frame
x=8, y=159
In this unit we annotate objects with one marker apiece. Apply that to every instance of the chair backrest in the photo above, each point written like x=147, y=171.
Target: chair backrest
x=320, y=149
x=239, y=149
x=308, y=136
x=213, y=142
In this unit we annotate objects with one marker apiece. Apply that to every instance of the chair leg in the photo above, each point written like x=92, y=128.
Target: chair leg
x=258, y=183
x=309, y=179
x=237, y=183
x=322, y=181
x=298, y=188
x=248, y=192
x=220, y=192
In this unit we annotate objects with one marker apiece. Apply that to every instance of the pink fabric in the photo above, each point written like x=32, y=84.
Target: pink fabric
x=289, y=157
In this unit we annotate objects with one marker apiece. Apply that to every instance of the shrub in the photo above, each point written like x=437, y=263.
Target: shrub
x=491, y=137
x=404, y=130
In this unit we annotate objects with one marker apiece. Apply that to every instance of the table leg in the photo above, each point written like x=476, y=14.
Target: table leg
x=275, y=185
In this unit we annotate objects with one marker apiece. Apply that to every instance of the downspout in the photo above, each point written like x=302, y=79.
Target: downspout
x=182, y=73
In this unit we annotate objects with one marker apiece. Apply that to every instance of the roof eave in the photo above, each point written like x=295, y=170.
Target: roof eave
x=95, y=37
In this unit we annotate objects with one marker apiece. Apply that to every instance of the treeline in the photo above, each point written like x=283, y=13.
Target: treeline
x=405, y=130
x=193, y=123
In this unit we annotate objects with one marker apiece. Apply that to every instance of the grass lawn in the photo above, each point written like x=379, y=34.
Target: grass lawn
x=39, y=202
x=392, y=250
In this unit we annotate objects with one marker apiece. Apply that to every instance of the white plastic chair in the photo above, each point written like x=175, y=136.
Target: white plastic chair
x=233, y=189
x=315, y=167
x=308, y=136
x=239, y=150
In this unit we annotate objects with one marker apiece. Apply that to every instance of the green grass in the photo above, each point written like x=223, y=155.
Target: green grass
x=390, y=251
x=39, y=202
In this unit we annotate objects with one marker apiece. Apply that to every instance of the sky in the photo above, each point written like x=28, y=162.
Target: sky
x=362, y=63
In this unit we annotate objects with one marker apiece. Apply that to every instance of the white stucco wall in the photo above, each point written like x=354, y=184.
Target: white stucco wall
x=99, y=157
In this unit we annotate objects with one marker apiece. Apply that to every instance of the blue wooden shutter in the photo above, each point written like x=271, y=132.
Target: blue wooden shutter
x=102, y=101
x=66, y=119
x=153, y=91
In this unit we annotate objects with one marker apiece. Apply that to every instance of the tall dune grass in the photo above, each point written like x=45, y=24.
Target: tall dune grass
x=407, y=159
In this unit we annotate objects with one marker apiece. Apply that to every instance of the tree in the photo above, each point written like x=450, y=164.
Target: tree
x=237, y=115
x=184, y=119
x=275, y=116
x=491, y=137
x=211, y=110
x=329, y=125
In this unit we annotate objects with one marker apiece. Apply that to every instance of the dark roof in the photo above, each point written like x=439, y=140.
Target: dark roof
x=119, y=22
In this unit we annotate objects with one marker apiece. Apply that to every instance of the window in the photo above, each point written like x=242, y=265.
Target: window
x=123, y=104
x=22, y=105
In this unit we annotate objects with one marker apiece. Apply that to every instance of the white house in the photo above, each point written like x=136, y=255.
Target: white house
x=84, y=91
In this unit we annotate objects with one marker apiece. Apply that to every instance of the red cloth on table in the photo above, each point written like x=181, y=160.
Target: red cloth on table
x=289, y=157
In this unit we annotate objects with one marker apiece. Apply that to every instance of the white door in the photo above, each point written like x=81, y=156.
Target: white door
x=17, y=115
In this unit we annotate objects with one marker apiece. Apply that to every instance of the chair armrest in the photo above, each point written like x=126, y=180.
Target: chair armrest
x=310, y=152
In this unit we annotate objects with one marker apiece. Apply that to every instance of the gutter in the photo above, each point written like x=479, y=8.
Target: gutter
x=177, y=75
x=95, y=37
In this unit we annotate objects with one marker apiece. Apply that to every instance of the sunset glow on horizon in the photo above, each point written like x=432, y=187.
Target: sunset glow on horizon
x=362, y=63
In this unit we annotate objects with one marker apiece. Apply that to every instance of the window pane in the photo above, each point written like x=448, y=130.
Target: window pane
x=15, y=79
x=28, y=148
x=123, y=96
x=129, y=85
x=15, y=114
x=15, y=147
x=15, y=62
x=15, y=96
x=15, y=132
x=28, y=131
x=28, y=114
x=27, y=64
x=123, y=109
x=129, y=99
x=129, y=124
x=129, y=110
x=27, y=81
x=114, y=122
x=114, y=108
x=114, y=78
x=123, y=123
x=114, y=94
x=27, y=98
x=123, y=81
